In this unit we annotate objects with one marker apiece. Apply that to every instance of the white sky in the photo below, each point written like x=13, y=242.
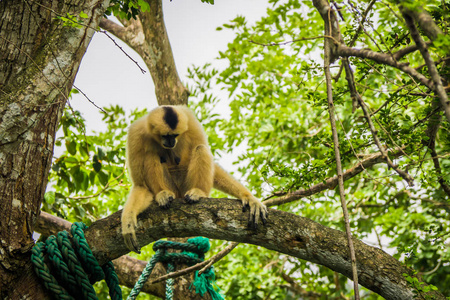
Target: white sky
x=107, y=76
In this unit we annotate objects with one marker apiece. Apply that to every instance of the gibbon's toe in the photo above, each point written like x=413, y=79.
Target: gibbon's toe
x=194, y=195
x=258, y=211
x=164, y=198
x=131, y=242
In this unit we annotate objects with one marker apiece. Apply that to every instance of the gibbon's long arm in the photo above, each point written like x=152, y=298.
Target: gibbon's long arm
x=224, y=182
x=200, y=174
x=168, y=157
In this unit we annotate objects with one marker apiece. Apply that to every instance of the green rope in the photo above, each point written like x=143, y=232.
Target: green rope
x=193, y=252
x=75, y=267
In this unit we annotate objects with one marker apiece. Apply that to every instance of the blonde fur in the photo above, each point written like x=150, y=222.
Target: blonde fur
x=163, y=173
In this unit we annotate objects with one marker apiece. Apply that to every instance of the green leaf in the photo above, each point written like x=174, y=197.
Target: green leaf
x=49, y=197
x=97, y=166
x=83, y=15
x=103, y=177
x=144, y=6
x=71, y=147
x=101, y=153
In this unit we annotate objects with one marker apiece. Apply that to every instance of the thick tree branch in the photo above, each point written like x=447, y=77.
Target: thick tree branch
x=286, y=233
x=426, y=22
x=331, y=25
x=119, y=31
x=332, y=182
x=405, y=51
x=385, y=59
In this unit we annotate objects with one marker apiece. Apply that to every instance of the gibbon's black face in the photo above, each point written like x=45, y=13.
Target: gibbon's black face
x=169, y=141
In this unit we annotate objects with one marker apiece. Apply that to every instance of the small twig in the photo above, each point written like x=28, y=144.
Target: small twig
x=377, y=141
x=433, y=270
x=92, y=102
x=121, y=49
x=355, y=94
x=218, y=256
x=100, y=31
x=198, y=266
x=294, y=41
x=351, y=83
x=332, y=182
x=365, y=31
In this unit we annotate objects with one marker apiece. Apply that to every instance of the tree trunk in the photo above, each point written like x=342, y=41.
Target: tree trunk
x=39, y=60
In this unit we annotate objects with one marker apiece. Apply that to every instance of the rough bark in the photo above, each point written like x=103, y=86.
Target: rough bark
x=147, y=35
x=39, y=60
x=285, y=232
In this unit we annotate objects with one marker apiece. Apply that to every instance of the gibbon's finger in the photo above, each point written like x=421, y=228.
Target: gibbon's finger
x=256, y=214
x=253, y=223
x=131, y=242
x=190, y=200
x=263, y=216
x=245, y=207
x=168, y=203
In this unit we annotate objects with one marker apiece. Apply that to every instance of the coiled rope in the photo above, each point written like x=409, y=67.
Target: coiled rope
x=75, y=267
x=193, y=252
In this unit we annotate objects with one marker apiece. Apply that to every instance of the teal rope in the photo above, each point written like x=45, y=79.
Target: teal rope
x=170, y=282
x=193, y=252
x=71, y=265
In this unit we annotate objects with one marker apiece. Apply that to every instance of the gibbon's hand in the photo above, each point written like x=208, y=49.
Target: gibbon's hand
x=257, y=211
x=194, y=195
x=165, y=198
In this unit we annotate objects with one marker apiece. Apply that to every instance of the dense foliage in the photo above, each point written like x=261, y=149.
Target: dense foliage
x=279, y=120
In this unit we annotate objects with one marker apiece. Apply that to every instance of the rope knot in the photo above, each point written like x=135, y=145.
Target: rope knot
x=193, y=252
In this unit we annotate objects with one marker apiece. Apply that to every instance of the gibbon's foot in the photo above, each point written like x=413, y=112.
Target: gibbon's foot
x=258, y=211
x=194, y=195
x=164, y=198
x=129, y=234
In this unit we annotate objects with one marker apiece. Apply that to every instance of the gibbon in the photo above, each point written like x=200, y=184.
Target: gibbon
x=168, y=157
